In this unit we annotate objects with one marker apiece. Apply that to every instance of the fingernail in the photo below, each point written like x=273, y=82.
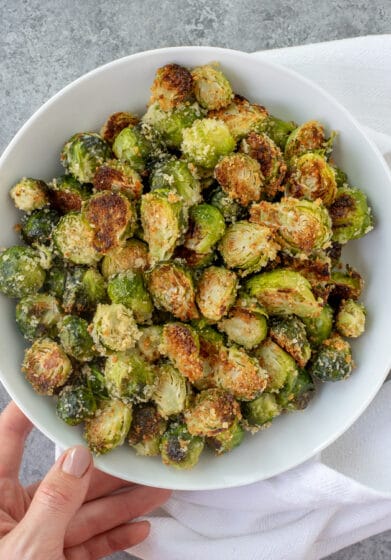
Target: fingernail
x=77, y=461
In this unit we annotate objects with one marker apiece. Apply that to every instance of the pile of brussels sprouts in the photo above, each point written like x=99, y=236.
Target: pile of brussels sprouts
x=182, y=282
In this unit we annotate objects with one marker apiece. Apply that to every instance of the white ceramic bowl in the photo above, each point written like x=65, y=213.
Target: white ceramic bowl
x=124, y=85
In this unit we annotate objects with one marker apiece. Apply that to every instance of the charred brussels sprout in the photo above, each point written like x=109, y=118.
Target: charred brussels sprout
x=211, y=87
x=350, y=214
x=38, y=226
x=75, y=404
x=74, y=239
x=109, y=427
x=206, y=227
x=227, y=439
x=350, y=319
x=29, y=194
x=129, y=377
x=281, y=368
x=333, y=361
x=115, y=123
x=128, y=288
x=118, y=176
x=206, y=141
x=213, y=411
x=171, y=287
x=146, y=430
x=176, y=176
x=298, y=395
x=192, y=259
x=216, y=292
x=67, y=194
x=83, y=154
x=289, y=333
x=181, y=345
x=38, y=315
x=231, y=210
x=261, y=411
x=346, y=285
x=171, y=124
x=284, y=292
x=20, y=272
x=248, y=247
x=277, y=129
x=149, y=343
x=113, y=328
x=75, y=338
x=319, y=328
x=240, y=116
x=46, y=366
x=172, y=86
x=311, y=177
x=179, y=449
x=308, y=137
x=171, y=393
x=240, y=177
x=132, y=256
x=244, y=326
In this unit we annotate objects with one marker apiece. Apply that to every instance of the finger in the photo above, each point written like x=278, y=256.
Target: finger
x=106, y=513
x=119, y=538
x=14, y=429
x=60, y=495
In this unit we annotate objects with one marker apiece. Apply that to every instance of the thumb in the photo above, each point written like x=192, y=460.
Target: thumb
x=60, y=494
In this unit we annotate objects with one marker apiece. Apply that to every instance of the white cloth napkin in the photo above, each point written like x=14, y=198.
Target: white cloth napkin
x=344, y=495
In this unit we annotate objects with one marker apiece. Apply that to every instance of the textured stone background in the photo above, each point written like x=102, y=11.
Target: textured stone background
x=45, y=44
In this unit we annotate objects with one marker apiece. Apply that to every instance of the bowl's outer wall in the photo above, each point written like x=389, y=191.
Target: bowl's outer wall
x=124, y=85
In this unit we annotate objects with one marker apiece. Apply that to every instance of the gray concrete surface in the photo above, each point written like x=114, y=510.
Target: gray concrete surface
x=45, y=44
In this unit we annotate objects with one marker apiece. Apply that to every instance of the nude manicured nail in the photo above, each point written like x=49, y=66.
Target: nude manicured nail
x=77, y=461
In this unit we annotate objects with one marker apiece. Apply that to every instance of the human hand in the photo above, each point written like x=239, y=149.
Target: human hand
x=71, y=514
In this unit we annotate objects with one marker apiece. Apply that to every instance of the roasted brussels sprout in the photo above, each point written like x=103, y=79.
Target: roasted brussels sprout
x=181, y=345
x=171, y=124
x=29, y=194
x=211, y=348
x=311, y=177
x=231, y=210
x=20, y=272
x=340, y=177
x=75, y=338
x=240, y=177
x=284, y=292
x=350, y=319
x=146, y=430
x=118, y=176
x=74, y=239
x=240, y=116
x=113, y=328
x=281, y=368
x=319, y=328
x=289, y=333
x=205, y=141
x=172, y=86
x=171, y=287
x=206, y=227
x=248, y=247
x=129, y=376
x=278, y=130
x=38, y=226
x=308, y=137
x=171, y=392
x=298, y=395
x=109, y=427
x=38, y=315
x=316, y=268
x=176, y=176
x=261, y=411
x=346, y=285
x=216, y=292
x=55, y=281
x=83, y=154
x=211, y=87
x=192, y=259
x=67, y=194
x=115, y=123
x=227, y=439
x=244, y=327
x=128, y=288
x=179, y=449
x=134, y=147
x=46, y=366
x=213, y=411
x=350, y=214
x=333, y=361
x=75, y=404
x=273, y=167
x=81, y=289
x=92, y=375
x=150, y=341
x=132, y=256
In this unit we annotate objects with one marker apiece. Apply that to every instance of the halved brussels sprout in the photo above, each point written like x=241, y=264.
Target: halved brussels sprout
x=281, y=368
x=179, y=449
x=302, y=226
x=75, y=404
x=261, y=411
x=113, y=328
x=248, y=246
x=240, y=374
x=118, y=176
x=46, y=366
x=298, y=395
x=29, y=194
x=161, y=219
x=240, y=116
x=350, y=319
x=216, y=292
x=92, y=375
x=115, y=123
x=146, y=430
x=206, y=227
x=150, y=341
x=83, y=153
x=38, y=315
x=132, y=146
x=74, y=238
x=350, y=214
x=173, y=85
x=346, y=285
x=82, y=289
x=171, y=124
x=211, y=346
x=205, y=141
x=20, y=272
x=129, y=376
x=211, y=87
x=67, y=194
x=316, y=268
x=277, y=129
x=109, y=427
x=192, y=259
x=75, y=338
x=175, y=175
x=226, y=440
x=132, y=256
x=213, y=411
x=273, y=167
x=128, y=288
x=245, y=326
x=333, y=360
x=38, y=226
x=181, y=345
x=171, y=391
x=112, y=218
x=319, y=328
x=284, y=292
x=311, y=177
x=308, y=137
x=231, y=210
x=289, y=333
x=171, y=287
x=240, y=176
